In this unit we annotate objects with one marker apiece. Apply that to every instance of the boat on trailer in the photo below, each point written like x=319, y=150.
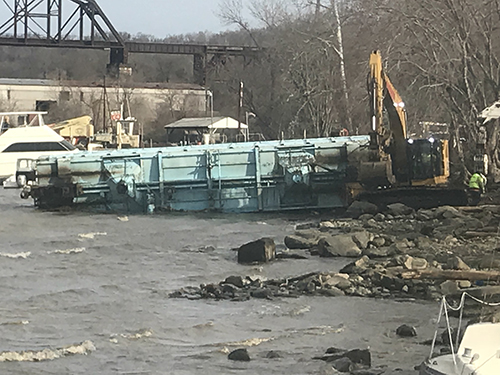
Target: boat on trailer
x=477, y=354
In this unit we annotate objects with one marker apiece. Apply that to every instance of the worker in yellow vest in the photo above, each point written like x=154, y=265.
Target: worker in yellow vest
x=477, y=186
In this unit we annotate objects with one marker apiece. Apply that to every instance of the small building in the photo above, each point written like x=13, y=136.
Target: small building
x=206, y=130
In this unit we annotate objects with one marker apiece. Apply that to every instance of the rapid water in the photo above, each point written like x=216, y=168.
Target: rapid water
x=68, y=277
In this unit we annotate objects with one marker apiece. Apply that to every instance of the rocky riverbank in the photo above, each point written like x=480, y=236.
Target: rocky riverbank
x=397, y=253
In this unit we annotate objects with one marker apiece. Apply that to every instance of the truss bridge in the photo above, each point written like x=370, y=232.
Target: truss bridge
x=83, y=24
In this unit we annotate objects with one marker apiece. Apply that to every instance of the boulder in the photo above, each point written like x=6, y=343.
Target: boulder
x=341, y=245
x=362, y=238
x=303, y=239
x=261, y=293
x=378, y=241
x=234, y=280
x=425, y=215
x=406, y=331
x=239, y=355
x=343, y=364
x=337, y=281
x=297, y=242
x=399, y=209
x=447, y=212
x=399, y=247
x=358, y=208
x=462, y=284
x=411, y=263
x=361, y=356
x=262, y=250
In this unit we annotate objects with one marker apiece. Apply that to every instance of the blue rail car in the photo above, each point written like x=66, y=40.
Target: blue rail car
x=239, y=177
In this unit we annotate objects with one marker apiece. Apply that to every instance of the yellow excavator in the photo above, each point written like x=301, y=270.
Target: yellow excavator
x=399, y=168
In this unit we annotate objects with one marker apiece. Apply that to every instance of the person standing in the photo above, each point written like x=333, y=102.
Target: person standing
x=477, y=186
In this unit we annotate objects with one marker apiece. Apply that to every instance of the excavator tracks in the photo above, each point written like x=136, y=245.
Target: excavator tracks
x=417, y=197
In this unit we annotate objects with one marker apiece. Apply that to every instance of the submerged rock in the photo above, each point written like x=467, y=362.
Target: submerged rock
x=406, y=331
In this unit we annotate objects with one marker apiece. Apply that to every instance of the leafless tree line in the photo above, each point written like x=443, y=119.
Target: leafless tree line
x=442, y=56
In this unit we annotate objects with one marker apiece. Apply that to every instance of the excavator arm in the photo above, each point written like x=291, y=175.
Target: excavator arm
x=383, y=94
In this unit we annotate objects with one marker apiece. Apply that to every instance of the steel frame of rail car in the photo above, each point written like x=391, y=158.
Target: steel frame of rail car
x=239, y=177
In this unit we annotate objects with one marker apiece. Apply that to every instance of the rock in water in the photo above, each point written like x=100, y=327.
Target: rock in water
x=361, y=356
x=406, y=331
x=239, y=355
x=343, y=364
x=262, y=250
x=273, y=354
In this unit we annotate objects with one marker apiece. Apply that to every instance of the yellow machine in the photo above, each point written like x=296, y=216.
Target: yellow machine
x=401, y=168
x=80, y=131
x=77, y=130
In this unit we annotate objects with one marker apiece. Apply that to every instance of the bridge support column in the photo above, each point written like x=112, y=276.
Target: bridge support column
x=117, y=57
x=200, y=69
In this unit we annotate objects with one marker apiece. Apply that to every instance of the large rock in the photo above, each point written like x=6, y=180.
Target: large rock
x=425, y=215
x=362, y=238
x=358, y=208
x=343, y=364
x=361, y=356
x=262, y=250
x=340, y=281
x=239, y=355
x=412, y=263
x=447, y=212
x=303, y=239
x=399, y=209
x=341, y=245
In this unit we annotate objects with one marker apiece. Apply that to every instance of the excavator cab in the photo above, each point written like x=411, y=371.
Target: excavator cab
x=426, y=159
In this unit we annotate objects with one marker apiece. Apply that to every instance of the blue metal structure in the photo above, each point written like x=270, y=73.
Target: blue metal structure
x=237, y=177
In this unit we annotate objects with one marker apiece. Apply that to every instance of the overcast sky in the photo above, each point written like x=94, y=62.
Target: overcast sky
x=164, y=17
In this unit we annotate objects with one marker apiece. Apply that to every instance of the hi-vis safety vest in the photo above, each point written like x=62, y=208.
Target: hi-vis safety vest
x=477, y=181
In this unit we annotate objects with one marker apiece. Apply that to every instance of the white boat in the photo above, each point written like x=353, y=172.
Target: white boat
x=477, y=354
x=24, y=135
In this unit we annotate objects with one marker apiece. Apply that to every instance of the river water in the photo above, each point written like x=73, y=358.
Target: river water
x=68, y=277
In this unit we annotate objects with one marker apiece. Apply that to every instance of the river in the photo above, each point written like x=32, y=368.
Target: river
x=67, y=277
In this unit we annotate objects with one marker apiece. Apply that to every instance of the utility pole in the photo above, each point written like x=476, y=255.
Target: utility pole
x=240, y=104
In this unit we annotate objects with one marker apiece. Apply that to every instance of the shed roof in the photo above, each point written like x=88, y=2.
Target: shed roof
x=206, y=123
